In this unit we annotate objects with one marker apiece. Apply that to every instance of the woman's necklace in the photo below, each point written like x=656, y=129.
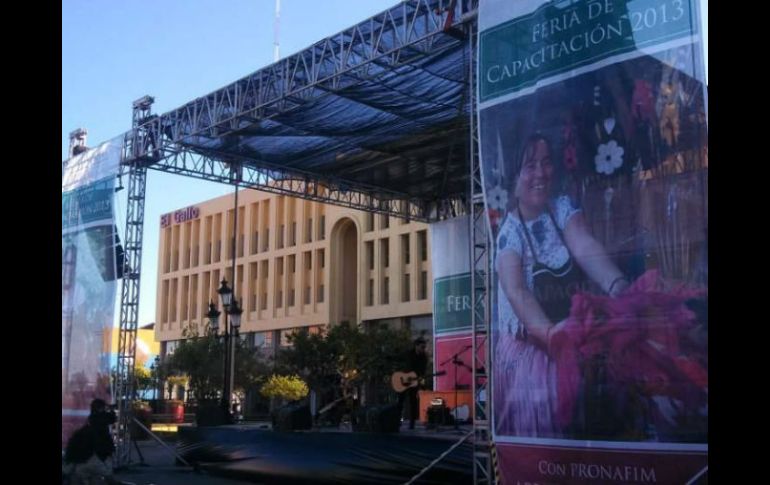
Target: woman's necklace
x=538, y=230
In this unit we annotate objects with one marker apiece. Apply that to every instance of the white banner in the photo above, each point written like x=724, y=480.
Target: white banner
x=89, y=279
x=594, y=156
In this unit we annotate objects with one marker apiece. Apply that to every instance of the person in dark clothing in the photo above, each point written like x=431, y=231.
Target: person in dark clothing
x=90, y=448
x=416, y=361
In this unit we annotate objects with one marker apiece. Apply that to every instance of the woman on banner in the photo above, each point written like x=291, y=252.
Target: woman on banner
x=545, y=254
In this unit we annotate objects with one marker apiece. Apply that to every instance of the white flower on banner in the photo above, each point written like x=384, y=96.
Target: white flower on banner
x=497, y=198
x=609, y=125
x=609, y=157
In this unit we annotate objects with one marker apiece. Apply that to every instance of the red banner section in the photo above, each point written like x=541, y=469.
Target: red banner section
x=547, y=465
x=447, y=347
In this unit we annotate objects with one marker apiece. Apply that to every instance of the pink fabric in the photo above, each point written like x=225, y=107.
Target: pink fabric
x=525, y=389
x=643, y=101
x=640, y=332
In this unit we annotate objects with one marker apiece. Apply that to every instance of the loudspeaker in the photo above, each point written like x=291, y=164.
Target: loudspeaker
x=211, y=414
x=292, y=417
x=378, y=419
x=439, y=415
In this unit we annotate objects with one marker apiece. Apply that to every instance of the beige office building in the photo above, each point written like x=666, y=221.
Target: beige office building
x=298, y=264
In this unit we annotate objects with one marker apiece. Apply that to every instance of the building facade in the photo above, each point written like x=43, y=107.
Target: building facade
x=297, y=264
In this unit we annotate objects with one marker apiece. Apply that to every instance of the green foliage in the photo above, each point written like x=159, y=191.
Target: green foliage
x=200, y=358
x=345, y=356
x=290, y=388
x=143, y=379
x=141, y=406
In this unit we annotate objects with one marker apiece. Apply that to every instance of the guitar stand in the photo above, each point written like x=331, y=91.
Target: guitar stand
x=455, y=360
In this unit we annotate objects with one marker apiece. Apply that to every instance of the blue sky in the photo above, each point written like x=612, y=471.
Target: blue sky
x=114, y=52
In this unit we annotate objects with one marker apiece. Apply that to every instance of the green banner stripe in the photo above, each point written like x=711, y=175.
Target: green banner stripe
x=553, y=40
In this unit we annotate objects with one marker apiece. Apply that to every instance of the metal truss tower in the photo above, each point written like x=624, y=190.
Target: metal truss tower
x=480, y=285
x=129, y=302
x=167, y=142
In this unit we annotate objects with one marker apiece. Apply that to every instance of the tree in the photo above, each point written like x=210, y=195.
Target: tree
x=143, y=380
x=345, y=356
x=290, y=388
x=201, y=359
x=382, y=353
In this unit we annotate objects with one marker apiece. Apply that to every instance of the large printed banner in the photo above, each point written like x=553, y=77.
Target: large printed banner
x=594, y=152
x=89, y=278
x=452, y=304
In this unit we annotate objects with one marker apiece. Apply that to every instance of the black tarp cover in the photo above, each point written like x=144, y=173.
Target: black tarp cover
x=266, y=456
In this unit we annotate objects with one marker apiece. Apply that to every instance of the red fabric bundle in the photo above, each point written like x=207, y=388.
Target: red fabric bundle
x=641, y=334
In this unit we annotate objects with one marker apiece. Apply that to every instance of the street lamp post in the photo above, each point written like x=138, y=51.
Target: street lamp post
x=226, y=295
x=235, y=323
x=230, y=334
x=213, y=316
x=155, y=372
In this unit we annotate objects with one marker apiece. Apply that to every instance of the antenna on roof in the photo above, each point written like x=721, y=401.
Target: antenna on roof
x=276, y=24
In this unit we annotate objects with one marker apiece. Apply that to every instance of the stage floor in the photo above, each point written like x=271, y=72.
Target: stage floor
x=329, y=455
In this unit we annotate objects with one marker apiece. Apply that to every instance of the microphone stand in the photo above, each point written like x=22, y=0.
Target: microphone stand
x=457, y=362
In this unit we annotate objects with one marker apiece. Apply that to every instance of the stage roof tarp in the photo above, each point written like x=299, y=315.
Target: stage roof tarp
x=383, y=105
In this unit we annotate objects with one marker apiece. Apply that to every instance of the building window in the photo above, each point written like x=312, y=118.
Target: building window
x=263, y=340
x=406, y=289
x=291, y=297
x=384, y=221
x=171, y=346
x=293, y=237
x=385, y=252
x=405, y=248
x=279, y=299
x=307, y=295
x=309, y=231
x=370, y=293
x=285, y=333
x=422, y=238
x=370, y=254
x=386, y=291
x=369, y=222
x=423, y=285
x=321, y=294
x=322, y=228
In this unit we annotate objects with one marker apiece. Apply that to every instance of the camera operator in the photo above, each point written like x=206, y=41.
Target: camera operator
x=89, y=450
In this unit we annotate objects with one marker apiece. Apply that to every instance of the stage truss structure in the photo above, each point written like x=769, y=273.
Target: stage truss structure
x=196, y=140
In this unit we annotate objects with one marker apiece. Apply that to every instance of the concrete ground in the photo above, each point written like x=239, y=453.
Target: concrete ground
x=159, y=469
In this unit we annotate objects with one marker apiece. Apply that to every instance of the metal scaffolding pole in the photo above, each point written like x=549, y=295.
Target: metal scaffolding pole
x=129, y=302
x=480, y=284
x=299, y=184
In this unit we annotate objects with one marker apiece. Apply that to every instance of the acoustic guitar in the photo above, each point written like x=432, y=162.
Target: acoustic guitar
x=401, y=381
